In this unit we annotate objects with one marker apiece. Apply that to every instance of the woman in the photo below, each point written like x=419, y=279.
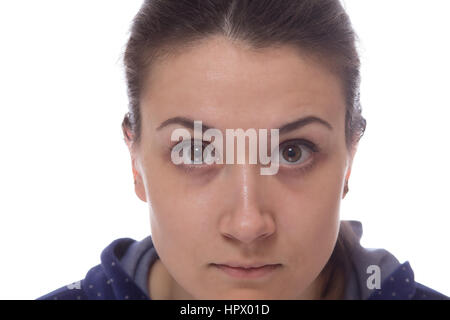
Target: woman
x=223, y=231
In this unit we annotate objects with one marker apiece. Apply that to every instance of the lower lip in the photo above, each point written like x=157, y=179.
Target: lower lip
x=251, y=273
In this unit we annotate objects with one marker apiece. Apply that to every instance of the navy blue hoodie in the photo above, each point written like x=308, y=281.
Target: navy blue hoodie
x=125, y=264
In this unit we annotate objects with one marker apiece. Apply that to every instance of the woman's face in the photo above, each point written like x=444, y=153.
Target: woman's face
x=226, y=213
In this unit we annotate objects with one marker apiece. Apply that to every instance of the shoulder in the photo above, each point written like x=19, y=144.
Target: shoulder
x=400, y=285
x=425, y=293
x=79, y=290
x=107, y=280
x=71, y=291
x=376, y=274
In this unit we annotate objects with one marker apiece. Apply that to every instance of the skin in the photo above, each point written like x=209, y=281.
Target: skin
x=230, y=212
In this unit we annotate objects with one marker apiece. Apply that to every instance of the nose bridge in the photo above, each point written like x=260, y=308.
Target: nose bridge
x=245, y=181
x=247, y=220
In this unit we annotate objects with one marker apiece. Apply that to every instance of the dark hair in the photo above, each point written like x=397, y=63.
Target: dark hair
x=319, y=28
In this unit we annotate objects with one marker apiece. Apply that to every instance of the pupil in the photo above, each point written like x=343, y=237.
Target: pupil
x=292, y=154
x=196, y=153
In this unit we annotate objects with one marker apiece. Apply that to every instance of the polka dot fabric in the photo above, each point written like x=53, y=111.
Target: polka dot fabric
x=106, y=281
x=400, y=285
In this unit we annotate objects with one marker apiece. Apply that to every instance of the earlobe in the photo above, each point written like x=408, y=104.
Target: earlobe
x=138, y=184
x=348, y=173
x=347, y=177
x=135, y=173
x=140, y=191
x=345, y=189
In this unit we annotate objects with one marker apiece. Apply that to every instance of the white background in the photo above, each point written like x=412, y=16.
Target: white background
x=66, y=187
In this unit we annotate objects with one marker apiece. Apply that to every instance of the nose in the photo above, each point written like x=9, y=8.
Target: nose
x=246, y=220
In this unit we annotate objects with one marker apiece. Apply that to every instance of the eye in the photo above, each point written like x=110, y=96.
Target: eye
x=196, y=151
x=296, y=151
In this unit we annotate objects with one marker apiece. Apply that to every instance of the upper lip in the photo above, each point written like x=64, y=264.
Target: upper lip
x=246, y=265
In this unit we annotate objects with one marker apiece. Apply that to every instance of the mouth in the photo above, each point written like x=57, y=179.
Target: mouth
x=248, y=272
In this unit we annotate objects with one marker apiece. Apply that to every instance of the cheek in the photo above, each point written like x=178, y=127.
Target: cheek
x=310, y=227
x=311, y=215
x=180, y=208
x=309, y=232
x=181, y=229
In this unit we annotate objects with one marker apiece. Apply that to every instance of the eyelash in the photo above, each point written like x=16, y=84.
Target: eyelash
x=312, y=147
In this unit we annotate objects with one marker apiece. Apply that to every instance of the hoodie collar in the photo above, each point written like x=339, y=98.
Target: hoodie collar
x=109, y=280
x=396, y=279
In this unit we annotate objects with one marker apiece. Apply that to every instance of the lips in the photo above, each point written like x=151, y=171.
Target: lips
x=246, y=266
x=248, y=271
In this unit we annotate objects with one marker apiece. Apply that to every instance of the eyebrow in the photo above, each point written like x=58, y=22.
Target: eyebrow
x=288, y=127
x=185, y=122
x=291, y=126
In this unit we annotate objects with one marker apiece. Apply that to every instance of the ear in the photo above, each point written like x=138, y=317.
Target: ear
x=349, y=168
x=139, y=187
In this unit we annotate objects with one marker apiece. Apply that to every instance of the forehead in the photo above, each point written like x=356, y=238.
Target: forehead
x=231, y=86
